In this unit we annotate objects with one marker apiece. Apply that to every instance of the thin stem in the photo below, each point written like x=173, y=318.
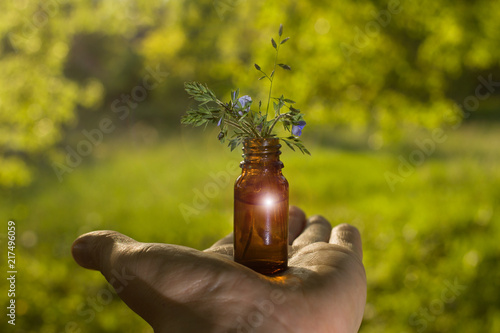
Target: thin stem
x=237, y=125
x=273, y=73
x=253, y=130
x=267, y=76
x=253, y=127
x=246, y=129
x=275, y=121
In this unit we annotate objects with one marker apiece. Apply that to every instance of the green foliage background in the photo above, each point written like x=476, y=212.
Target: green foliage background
x=371, y=76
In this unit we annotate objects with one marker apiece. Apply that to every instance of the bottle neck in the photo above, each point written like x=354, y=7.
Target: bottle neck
x=261, y=154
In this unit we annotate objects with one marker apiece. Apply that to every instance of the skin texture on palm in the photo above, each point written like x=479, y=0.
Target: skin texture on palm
x=180, y=289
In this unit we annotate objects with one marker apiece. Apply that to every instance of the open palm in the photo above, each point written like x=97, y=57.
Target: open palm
x=180, y=289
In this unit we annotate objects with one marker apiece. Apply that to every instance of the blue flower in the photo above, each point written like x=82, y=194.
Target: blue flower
x=244, y=100
x=297, y=129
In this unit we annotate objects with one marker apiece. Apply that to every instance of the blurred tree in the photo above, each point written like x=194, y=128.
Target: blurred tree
x=50, y=70
x=383, y=65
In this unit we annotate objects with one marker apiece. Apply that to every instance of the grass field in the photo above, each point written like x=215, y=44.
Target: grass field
x=430, y=244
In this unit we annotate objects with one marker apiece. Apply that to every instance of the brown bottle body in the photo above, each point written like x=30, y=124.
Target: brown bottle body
x=261, y=209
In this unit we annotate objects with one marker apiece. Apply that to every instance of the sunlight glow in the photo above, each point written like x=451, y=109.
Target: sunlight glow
x=268, y=201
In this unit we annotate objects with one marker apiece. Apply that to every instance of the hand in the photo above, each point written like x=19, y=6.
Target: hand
x=179, y=289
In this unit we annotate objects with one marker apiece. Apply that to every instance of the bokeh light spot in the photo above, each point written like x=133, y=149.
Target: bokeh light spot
x=322, y=26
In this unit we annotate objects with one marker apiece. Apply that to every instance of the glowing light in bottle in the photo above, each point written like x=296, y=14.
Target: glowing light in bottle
x=268, y=201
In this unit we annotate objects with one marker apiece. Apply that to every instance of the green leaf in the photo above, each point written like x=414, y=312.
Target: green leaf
x=255, y=118
x=284, y=66
x=280, y=32
x=296, y=142
x=285, y=40
x=289, y=144
x=286, y=127
x=274, y=43
x=233, y=143
x=200, y=92
x=288, y=100
x=221, y=137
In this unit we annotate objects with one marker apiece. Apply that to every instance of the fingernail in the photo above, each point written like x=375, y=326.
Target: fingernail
x=82, y=253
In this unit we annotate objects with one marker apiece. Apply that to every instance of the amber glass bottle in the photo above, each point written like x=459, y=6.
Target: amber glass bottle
x=261, y=208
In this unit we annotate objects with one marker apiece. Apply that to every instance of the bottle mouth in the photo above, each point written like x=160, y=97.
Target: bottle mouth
x=261, y=152
x=261, y=145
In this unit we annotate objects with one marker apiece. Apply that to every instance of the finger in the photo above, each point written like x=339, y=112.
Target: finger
x=223, y=246
x=132, y=270
x=109, y=252
x=317, y=230
x=229, y=239
x=89, y=249
x=296, y=223
x=347, y=236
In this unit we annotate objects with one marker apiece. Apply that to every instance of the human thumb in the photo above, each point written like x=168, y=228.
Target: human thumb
x=94, y=249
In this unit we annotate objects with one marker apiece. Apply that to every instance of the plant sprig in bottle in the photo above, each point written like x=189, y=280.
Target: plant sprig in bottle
x=237, y=114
